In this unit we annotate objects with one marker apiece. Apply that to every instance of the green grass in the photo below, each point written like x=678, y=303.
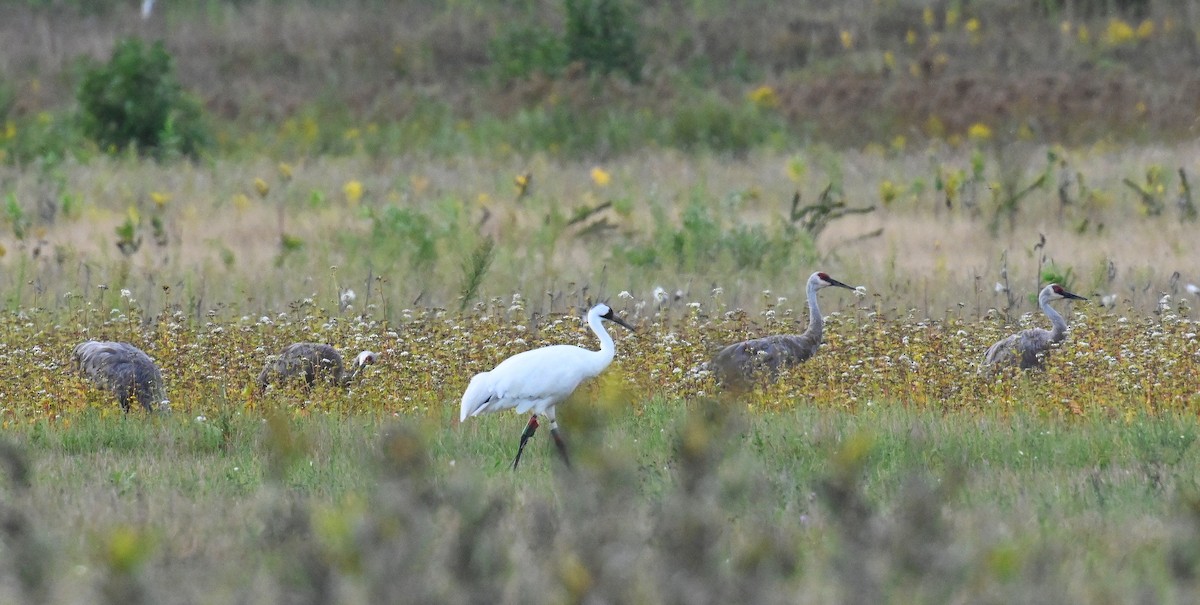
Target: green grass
x=806, y=505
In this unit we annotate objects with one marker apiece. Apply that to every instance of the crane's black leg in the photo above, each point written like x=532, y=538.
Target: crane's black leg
x=530, y=429
x=558, y=440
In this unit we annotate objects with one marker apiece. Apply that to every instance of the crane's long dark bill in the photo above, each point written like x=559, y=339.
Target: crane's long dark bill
x=530, y=429
x=622, y=322
x=838, y=283
x=1071, y=295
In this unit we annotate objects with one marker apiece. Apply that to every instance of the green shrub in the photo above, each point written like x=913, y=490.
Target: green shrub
x=135, y=101
x=522, y=51
x=715, y=125
x=603, y=35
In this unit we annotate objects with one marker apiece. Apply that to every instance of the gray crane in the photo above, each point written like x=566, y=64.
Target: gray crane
x=1029, y=347
x=312, y=361
x=123, y=369
x=741, y=363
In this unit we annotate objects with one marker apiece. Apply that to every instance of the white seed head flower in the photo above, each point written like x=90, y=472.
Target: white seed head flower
x=1193, y=289
x=1000, y=288
x=125, y=293
x=625, y=295
x=348, y=296
x=860, y=291
x=660, y=294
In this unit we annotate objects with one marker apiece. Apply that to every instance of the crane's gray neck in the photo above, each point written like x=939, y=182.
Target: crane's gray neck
x=1060, y=325
x=816, y=323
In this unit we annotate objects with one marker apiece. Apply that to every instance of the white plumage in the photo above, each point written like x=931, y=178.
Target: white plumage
x=1028, y=347
x=537, y=380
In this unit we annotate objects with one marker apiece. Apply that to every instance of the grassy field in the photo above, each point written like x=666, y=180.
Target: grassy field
x=448, y=184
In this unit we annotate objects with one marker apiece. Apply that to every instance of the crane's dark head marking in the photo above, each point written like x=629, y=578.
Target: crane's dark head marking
x=823, y=276
x=1058, y=289
x=606, y=312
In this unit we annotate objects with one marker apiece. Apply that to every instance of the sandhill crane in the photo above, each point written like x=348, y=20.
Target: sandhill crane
x=539, y=379
x=1028, y=347
x=123, y=369
x=312, y=361
x=739, y=364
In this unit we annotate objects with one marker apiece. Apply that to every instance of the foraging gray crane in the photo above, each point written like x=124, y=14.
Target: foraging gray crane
x=312, y=361
x=123, y=369
x=739, y=364
x=1028, y=347
x=539, y=379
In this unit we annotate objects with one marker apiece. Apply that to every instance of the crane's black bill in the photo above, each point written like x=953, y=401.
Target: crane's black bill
x=837, y=283
x=610, y=316
x=530, y=429
x=1066, y=294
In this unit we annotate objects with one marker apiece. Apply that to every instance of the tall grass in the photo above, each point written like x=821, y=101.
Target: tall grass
x=678, y=501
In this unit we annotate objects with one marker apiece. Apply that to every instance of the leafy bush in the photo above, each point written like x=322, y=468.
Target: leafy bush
x=135, y=101
x=603, y=35
x=713, y=124
x=522, y=51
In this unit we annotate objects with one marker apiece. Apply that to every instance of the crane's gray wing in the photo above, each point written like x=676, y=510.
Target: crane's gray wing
x=303, y=360
x=123, y=369
x=758, y=358
x=1026, y=349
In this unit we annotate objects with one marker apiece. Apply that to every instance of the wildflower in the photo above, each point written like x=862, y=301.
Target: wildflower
x=1145, y=29
x=160, y=199
x=910, y=37
x=348, y=297
x=354, y=191
x=860, y=291
x=928, y=17
x=241, y=201
x=600, y=176
x=1118, y=32
x=1193, y=289
x=660, y=295
x=718, y=291
x=285, y=170
x=979, y=132
x=847, y=39
x=972, y=25
x=125, y=293
x=889, y=59
x=1000, y=288
x=522, y=183
x=888, y=192
x=261, y=187
x=764, y=97
x=625, y=295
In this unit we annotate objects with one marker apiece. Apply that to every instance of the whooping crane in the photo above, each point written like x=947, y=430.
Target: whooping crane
x=537, y=380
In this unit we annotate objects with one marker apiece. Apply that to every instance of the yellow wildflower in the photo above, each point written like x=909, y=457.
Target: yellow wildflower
x=764, y=96
x=522, y=183
x=979, y=132
x=1084, y=34
x=888, y=192
x=889, y=59
x=600, y=177
x=972, y=25
x=910, y=37
x=847, y=39
x=10, y=130
x=951, y=17
x=1118, y=32
x=241, y=201
x=1145, y=30
x=160, y=198
x=285, y=170
x=928, y=17
x=354, y=191
x=261, y=187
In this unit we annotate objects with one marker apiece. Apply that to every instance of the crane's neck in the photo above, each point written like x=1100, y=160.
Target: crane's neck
x=600, y=359
x=816, y=323
x=1060, y=325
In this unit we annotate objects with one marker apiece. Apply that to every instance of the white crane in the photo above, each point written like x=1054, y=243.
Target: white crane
x=539, y=379
x=312, y=362
x=1028, y=347
x=123, y=369
x=740, y=363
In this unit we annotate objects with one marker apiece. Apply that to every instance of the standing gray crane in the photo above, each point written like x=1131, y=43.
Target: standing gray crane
x=741, y=363
x=123, y=369
x=1028, y=347
x=312, y=361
